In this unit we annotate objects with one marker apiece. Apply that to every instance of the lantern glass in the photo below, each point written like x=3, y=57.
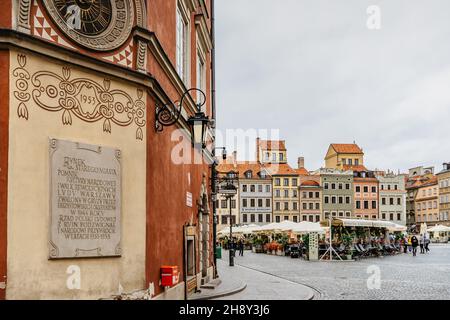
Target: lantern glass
x=197, y=133
x=199, y=124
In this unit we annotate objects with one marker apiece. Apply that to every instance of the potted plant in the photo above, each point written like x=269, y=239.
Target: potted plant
x=280, y=249
x=267, y=248
x=257, y=245
x=347, y=239
x=274, y=247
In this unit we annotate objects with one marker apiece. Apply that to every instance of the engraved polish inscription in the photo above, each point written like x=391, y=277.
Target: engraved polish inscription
x=85, y=200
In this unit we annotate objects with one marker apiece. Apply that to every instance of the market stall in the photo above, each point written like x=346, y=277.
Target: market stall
x=357, y=238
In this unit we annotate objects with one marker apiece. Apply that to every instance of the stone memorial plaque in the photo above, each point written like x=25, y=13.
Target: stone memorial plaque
x=85, y=200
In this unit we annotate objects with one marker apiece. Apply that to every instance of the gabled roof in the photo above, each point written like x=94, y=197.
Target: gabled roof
x=347, y=148
x=277, y=145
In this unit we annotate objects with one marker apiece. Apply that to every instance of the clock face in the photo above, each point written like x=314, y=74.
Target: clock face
x=96, y=24
x=94, y=16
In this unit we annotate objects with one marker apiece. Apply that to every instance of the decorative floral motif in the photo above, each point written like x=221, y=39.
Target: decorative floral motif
x=21, y=92
x=83, y=98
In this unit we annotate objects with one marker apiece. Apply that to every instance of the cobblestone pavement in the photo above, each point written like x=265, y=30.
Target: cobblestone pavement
x=426, y=276
x=261, y=286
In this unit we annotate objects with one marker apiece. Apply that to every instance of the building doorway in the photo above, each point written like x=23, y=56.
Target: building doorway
x=190, y=261
x=190, y=264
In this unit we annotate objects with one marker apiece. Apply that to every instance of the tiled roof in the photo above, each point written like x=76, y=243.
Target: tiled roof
x=357, y=168
x=346, y=148
x=310, y=183
x=241, y=167
x=302, y=172
x=421, y=181
x=279, y=145
x=282, y=169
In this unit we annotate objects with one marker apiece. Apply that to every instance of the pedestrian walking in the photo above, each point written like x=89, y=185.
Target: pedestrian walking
x=414, y=244
x=241, y=248
x=421, y=244
x=427, y=242
x=405, y=244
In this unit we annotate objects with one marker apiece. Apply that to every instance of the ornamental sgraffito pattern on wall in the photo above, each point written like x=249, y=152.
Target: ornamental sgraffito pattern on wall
x=82, y=98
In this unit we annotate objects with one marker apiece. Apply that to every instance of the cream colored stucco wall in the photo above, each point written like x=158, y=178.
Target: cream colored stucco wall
x=31, y=275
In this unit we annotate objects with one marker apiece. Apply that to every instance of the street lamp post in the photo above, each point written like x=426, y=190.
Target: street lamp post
x=229, y=190
x=214, y=193
x=231, y=235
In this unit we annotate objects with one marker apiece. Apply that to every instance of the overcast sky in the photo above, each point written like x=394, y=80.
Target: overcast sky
x=315, y=71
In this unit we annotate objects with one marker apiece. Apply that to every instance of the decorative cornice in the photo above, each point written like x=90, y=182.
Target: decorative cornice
x=203, y=32
x=13, y=39
x=158, y=52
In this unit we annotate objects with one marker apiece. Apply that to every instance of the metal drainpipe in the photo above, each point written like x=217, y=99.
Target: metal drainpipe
x=213, y=59
x=185, y=263
x=213, y=107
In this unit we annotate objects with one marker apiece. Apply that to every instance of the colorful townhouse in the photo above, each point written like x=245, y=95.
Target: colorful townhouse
x=337, y=192
x=426, y=202
x=393, y=197
x=416, y=201
x=255, y=194
x=444, y=195
x=310, y=191
x=366, y=196
x=344, y=157
x=272, y=154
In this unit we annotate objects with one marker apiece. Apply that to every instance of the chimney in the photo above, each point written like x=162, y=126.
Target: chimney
x=301, y=162
x=235, y=158
x=257, y=150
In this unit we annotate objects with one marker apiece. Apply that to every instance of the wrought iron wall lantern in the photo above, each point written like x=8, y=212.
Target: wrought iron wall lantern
x=167, y=115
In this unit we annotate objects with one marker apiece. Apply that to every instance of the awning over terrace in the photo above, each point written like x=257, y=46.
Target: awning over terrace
x=360, y=223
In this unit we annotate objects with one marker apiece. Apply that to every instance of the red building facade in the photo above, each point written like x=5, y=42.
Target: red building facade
x=162, y=48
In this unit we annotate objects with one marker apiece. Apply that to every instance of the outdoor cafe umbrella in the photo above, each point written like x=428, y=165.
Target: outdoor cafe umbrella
x=438, y=228
x=287, y=225
x=397, y=228
x=268, y=227
x=307, y=227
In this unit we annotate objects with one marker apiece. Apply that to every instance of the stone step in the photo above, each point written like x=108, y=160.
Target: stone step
x=212, y=284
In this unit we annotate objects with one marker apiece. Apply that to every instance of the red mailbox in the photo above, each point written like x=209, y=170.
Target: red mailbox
x=169, y=276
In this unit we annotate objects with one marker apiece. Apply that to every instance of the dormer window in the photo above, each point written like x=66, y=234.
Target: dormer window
x=262, y=174
x=248, y=174
x=231, y=175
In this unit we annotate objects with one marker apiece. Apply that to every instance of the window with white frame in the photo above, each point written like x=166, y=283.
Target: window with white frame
x=201, y=76
x=181, y=45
